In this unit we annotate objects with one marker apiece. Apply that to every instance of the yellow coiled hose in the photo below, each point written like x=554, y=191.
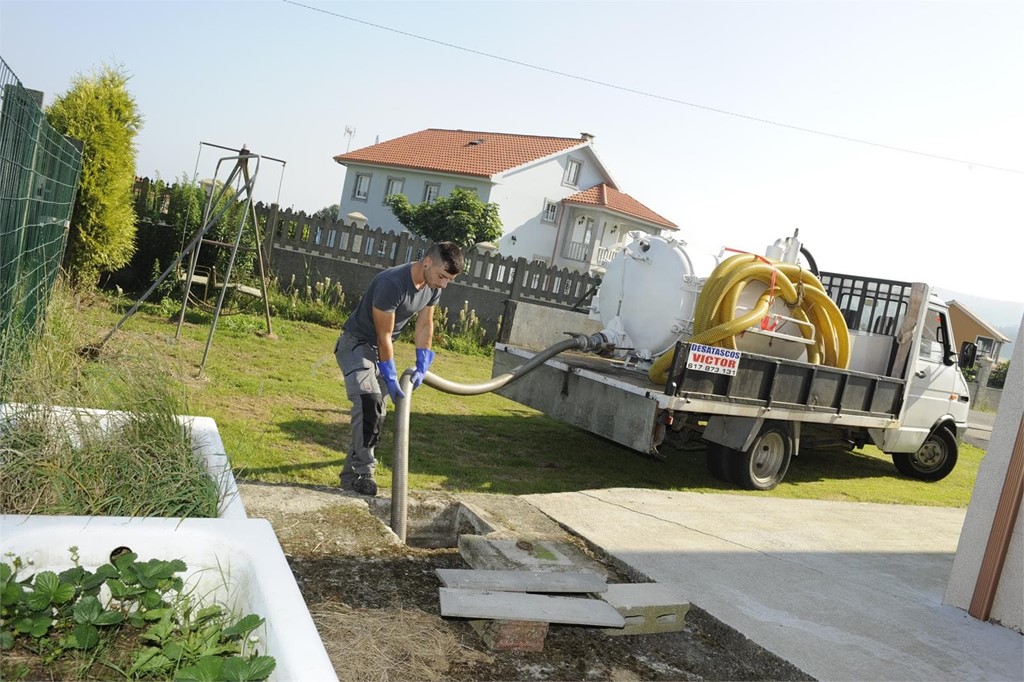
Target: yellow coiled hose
x=715, y=323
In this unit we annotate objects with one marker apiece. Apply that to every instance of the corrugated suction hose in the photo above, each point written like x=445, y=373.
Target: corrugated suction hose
x=715, y=322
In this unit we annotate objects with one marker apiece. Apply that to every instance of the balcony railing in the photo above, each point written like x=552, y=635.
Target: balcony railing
x=581, y=252
x=578, y=251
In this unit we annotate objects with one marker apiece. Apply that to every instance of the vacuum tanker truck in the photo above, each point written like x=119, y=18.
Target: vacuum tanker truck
x=759, y=355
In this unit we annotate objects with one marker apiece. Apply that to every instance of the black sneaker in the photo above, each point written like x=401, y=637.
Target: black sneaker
x=365, y=485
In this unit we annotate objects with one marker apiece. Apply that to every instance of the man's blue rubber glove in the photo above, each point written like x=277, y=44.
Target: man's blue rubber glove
x=424, y=356
x=390, y=374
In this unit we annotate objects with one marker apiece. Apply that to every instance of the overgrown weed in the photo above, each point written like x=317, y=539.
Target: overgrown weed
x=59, y=455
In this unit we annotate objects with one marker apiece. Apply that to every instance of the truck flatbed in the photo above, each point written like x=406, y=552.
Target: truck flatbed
x=621, y=403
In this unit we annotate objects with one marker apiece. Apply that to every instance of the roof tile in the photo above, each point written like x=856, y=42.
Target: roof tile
x=611, y=198
x=464, y=152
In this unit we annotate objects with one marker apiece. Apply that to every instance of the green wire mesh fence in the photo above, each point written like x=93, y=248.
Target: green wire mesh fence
x=39, y=171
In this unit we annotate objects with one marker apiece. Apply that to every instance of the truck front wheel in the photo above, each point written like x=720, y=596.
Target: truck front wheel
x=933, y=461
x=765, y=464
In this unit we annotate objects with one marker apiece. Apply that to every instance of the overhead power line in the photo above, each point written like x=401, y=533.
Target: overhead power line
x=652, y=95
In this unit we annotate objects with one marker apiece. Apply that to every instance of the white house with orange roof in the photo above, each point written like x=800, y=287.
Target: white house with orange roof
x=557, y=201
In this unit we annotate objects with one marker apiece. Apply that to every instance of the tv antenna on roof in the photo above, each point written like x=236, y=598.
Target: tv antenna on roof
x=350, y=132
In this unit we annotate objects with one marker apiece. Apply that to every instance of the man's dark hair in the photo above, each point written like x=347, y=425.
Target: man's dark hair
x=447, y=254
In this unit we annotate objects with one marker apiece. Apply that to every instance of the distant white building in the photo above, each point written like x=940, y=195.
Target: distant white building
x=557, y=201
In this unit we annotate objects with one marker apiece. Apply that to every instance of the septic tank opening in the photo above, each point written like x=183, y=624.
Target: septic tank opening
x=432, y=524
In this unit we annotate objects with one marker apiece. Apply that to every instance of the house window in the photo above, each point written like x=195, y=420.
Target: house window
x=550, y=211
x=431, y=191
x=395, y=186
x=572, y=173
x=361, y=189
x=985, y=346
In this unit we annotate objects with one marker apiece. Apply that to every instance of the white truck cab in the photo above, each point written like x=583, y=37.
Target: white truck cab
x=937, y=402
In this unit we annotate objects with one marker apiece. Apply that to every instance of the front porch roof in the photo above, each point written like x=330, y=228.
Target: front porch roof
x=612, y=199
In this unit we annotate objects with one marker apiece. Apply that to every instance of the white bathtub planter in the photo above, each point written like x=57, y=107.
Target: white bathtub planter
x=232, y=560
x=206, y=444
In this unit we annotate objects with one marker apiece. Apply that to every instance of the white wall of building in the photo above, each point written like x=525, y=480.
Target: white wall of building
x=414, y=186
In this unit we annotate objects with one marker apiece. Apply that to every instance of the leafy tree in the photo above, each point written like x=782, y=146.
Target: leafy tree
x=461, y=218
x=99, y=111
x=327, y=212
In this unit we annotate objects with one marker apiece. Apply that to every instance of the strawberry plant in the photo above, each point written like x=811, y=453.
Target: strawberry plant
x=128, y=617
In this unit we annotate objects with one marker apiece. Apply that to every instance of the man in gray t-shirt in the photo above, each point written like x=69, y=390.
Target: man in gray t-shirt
x=365, y=350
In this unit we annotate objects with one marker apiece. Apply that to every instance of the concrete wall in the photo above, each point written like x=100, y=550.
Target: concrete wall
x=1008, y=607
x=986, y=399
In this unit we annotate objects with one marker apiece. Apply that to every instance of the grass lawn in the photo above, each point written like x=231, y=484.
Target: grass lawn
x=280, y=405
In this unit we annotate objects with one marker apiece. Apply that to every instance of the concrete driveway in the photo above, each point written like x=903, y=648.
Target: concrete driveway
x=844, y=591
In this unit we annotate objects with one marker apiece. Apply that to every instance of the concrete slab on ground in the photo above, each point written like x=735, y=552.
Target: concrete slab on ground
x=844, y=591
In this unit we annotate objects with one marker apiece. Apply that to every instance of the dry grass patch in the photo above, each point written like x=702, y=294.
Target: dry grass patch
x=375, y=645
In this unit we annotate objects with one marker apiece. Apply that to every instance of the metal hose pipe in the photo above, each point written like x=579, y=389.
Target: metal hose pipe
x=403, y=408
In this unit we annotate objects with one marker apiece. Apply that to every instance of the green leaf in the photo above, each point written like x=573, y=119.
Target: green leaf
x=86, y=636
x=151, y=600
x=151, y=572
x=109, y=618
x=208, y=612
x=11, y=594
x=149, y=659
x=174, y=651
x=238, y=669
x=243, y=626
x=159, y=632
x=124, y=562
x=48, y=589
x=208, y=669
x=87, y=610
x=6, y=640
x=260, y=667
x=156, y=614
x=38, y=601
x=94, y=580
x=74, y=575
x=47, y=581
x=36, y=625
x=123, y=591
x=6, y=573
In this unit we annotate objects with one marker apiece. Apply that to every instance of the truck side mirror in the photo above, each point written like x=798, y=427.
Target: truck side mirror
x=968, y=354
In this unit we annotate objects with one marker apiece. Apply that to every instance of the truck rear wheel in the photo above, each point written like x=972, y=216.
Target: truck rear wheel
x=933, y=461
x=765, y=464
x=719, y=461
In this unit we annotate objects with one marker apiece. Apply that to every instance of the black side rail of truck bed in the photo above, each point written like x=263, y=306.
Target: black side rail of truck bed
x=769, y=381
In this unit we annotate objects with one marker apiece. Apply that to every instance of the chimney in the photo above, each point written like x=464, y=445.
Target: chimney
x=586, y=137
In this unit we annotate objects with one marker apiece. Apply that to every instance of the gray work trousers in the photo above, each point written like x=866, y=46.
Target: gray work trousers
x=363, y=384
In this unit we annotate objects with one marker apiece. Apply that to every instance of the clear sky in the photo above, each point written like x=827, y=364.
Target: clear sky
x=945, y=79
